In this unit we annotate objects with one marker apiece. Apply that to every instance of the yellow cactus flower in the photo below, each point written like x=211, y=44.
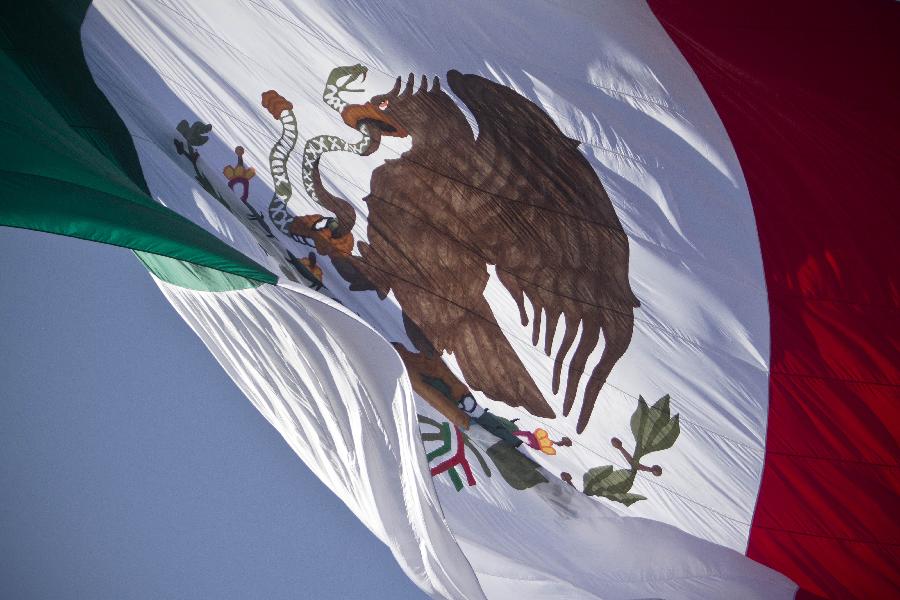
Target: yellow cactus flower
x=545, y=444
x=239, y=172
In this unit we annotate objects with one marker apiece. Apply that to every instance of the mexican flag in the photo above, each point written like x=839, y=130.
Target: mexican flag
x=572, y=299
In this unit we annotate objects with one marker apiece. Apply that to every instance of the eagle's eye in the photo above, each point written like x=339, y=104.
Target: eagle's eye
x=384, y=104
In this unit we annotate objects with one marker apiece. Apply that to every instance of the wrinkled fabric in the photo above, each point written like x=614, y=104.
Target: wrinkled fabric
x=609, y=78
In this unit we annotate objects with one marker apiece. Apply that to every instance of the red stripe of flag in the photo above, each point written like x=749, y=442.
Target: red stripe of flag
x=809, y=93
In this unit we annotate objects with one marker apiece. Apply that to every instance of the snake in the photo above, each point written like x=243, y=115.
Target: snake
x=315, y=147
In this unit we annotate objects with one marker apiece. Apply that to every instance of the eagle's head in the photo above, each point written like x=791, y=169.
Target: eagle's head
x=401, y=113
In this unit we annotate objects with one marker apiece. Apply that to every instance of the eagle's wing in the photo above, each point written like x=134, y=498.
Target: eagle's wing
x=557, y=241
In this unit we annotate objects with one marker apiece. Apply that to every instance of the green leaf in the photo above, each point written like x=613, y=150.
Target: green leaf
x=620, y=481
x=653, y=428
x=625, y=498
x=196, y=134
x=507, y=424
x=184, y=129
x=517, y=470
x=594, y=478
x=640, y=422
x=600, y=481
x=663, y=437
x=662, y=405
x=640, y=418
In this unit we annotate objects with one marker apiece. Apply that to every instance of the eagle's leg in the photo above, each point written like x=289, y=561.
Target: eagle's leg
x=617, y=331
x=427, y=372
x=353, y=271
x=359, y=271
x=435, y=383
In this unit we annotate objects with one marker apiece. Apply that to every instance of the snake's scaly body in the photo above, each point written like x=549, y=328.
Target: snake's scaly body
x=278, y=158
x=313, y=150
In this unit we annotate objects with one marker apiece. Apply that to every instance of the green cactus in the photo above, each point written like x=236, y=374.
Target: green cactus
x=194, y=135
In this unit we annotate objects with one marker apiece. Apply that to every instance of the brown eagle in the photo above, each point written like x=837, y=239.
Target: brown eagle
x=519, y=196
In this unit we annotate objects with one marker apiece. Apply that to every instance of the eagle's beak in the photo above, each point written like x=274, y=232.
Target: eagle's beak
x=355, y=115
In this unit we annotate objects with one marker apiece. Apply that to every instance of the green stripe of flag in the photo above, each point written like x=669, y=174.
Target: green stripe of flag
x=67, y=162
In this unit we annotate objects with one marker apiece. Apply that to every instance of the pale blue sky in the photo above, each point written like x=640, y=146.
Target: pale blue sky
x=131, y=466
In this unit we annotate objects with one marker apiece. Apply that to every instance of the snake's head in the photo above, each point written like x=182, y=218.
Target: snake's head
x=342, y=77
